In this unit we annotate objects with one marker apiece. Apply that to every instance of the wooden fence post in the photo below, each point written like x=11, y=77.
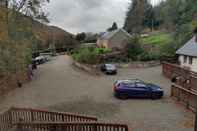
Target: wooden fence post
x=195, y=126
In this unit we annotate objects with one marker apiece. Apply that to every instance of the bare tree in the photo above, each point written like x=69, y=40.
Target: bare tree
x=30, y=8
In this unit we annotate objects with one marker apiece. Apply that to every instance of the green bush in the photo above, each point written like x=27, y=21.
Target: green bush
x=102, y=50
x=134, y=48
x=89, y=55
x=86, y=55
x=136, y=52
x=148, y=56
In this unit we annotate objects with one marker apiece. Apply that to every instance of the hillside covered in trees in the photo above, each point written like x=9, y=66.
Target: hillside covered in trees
x=177, y=18
x=22, y=34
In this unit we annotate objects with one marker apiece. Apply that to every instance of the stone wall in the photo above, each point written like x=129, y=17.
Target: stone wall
x=10, y=82
x=95, y=69
x=92, y=69
x=138, y=64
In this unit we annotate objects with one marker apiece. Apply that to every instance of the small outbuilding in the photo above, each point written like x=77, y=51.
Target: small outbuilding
x=116, y=40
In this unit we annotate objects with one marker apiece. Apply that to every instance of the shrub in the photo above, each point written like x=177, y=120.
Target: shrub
x=89, y=55
x=148, y=56
x=134, y=48
x=86, y=55
x=102, y=50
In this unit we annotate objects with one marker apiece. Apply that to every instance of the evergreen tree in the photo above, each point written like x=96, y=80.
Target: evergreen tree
x=81, y=36
x=114, y=27
x=136, y=16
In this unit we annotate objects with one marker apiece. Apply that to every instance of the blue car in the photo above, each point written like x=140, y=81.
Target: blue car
x=135, y=88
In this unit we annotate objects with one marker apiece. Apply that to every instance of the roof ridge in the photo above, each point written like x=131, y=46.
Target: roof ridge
x=190, y=48
x=109, y=34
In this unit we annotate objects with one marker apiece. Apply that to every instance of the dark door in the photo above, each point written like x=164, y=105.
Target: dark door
x=142, y=91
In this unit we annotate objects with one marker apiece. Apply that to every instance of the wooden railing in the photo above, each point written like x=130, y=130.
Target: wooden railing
x=186, y=96
x=32, y=115
x=184, y=88
x=169, y=70
x=16, y=115
x=25, y=119
x=5, y=121
x=72, y=126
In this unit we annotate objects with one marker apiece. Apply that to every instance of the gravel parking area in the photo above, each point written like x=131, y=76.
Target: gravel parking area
x=59, y=86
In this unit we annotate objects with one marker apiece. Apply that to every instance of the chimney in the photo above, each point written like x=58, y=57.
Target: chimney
x=195, y=34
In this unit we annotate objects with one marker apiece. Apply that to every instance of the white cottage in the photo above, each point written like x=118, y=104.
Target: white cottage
x=188, y=54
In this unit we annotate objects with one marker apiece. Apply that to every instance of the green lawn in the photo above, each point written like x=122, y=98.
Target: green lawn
x=157, y=39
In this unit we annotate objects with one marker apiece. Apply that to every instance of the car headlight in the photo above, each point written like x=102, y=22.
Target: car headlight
x=159, y=89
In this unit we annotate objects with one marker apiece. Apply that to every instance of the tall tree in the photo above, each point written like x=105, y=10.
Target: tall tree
x=114, y=27
x=31, y=8
x=136, y=15
x=177, y=12
x=177, y=17
x=18, y=46
x=81, y=36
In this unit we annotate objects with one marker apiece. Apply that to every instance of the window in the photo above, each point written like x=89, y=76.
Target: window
x=190, y=60
x=141, y=85
x=128, y=84
x=185, y=59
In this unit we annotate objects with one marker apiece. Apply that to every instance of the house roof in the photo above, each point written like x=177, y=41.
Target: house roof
x=109, y=35
x=189, y=49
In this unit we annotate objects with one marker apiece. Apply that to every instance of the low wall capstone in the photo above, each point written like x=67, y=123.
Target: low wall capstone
x=95, y=70
x=138, y=64
x=92, y=69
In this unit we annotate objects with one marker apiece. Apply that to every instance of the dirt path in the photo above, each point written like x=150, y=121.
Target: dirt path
x=59, y=86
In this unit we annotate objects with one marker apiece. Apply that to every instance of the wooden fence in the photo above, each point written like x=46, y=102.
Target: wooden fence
x=184, y=89
x=185, y=96
x=16, y=115
x=171, y=70
x=72, y=126
x=31, y=115
x=5, y=121
x=25, y=119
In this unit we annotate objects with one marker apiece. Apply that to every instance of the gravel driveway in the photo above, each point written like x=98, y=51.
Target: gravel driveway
x=59, y=86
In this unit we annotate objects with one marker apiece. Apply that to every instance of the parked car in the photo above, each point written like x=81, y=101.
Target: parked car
x=135, y=88
x=40, y=60
x=109, y=69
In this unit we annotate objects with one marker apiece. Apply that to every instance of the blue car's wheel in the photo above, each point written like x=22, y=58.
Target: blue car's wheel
x=123, y=96
x=155, y=96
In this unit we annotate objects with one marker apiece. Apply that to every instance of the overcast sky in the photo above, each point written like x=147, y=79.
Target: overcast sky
x=87, y=15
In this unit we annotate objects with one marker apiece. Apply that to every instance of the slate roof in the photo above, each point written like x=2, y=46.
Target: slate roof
x=108, y=35
x=189, y=49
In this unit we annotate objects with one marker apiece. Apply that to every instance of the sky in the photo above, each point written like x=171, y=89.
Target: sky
x=77, y=16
